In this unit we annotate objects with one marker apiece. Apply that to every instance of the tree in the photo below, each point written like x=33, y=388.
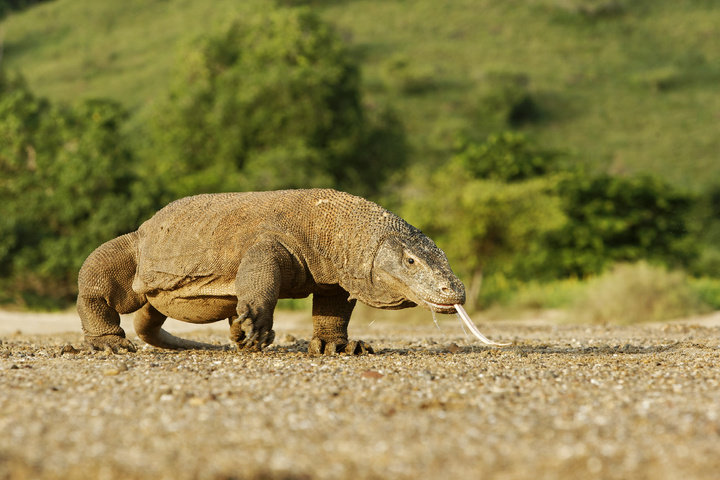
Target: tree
x=508, y=206
x=617, y=219
x=66, y=185
x=705, y=222
x=506, y=157
x=488, y=205
x=273, y=102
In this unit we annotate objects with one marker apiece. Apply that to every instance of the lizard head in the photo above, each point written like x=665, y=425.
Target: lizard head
x=411, y=270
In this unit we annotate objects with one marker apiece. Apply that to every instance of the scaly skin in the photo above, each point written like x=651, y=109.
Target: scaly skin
x=206, y=258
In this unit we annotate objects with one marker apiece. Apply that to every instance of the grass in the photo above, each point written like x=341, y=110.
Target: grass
x=582, y=74
x=127, y=51
x=626, y=294
x=624, y=86
x=633, y=293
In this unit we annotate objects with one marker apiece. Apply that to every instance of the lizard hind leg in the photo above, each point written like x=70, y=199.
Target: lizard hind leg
x=148, y=324
x=105, y=291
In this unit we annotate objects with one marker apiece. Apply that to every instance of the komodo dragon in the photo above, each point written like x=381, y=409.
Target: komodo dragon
x=209, y=257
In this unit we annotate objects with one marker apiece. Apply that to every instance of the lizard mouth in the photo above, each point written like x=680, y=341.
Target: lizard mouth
x=448, y=308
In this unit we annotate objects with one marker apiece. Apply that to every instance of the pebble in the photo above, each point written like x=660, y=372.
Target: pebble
x=564, y=402
x=453, y=348
x=69, y=349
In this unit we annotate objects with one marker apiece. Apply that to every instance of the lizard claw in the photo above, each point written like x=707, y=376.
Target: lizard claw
x=358, y=347
x=114, y=343
x=257, y=342
x=248, y=337
x=353, y=347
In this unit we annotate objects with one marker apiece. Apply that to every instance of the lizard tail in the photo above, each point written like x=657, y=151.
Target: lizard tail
x=164, y=339
x=148, y=326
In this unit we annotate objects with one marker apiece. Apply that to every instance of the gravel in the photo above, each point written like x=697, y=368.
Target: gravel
x=564, y=401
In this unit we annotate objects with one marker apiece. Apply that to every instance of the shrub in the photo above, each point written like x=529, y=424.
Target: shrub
x=708, y=291
x=659, y=79
x=504, y=100
x=401, y=74
x=506, y=157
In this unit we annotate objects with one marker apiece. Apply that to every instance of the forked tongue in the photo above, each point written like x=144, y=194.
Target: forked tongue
x=466, y=320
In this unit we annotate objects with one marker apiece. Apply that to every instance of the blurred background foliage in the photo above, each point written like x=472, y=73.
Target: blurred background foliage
x=8, y=6
x=555, y=149
x=273, y=101
x=66, y=183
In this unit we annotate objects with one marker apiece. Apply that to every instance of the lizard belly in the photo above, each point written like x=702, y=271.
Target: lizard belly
x=196, y=304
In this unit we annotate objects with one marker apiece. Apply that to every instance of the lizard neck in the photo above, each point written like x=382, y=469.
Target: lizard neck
x=347, y=232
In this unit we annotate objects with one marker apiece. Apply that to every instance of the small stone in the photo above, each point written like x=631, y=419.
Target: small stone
x=519, y=351
x=286, y=338
x=111, y=372
x=453, y=348
x=69, y=349
x=371, y=374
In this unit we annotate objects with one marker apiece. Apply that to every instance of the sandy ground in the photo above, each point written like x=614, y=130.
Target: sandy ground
x=564, y=401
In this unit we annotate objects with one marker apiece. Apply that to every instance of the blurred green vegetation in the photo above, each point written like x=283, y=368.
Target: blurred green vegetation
x=7, y=6
x=624, y=92
x=66, y=183
x=640, y=292
x=523, y=213
x=271, y=102
x=539, y=143
x=491, y=204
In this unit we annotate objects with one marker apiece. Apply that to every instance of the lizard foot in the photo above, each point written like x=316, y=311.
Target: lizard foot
x=248, y=337
x=353, y=347
x=116, y=343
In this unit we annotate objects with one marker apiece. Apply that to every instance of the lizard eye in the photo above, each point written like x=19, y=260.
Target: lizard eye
x=411, y=260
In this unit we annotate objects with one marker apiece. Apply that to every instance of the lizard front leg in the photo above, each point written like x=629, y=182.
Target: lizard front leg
x=262, y=271
x=331, y=315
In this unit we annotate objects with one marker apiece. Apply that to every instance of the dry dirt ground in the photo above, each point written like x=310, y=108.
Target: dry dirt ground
x=564, y=401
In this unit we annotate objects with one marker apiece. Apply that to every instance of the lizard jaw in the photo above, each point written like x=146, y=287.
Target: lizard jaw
x=448, y=308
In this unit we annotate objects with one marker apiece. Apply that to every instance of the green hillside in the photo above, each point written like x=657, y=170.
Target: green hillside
x=624, y=86
x=536, y=141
